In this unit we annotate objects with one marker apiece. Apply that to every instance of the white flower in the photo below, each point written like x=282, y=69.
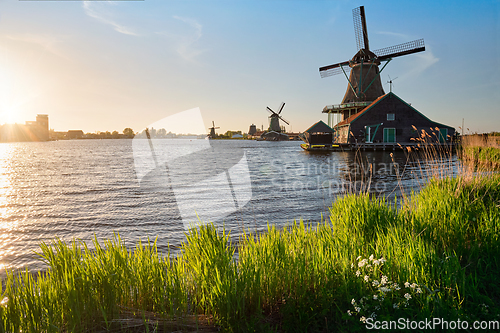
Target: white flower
x=352, y=265
x=363, y=319
x=384, y=280
x=407, y=296
x=362, y=263
x=419, y=291
x=384, y=289
x=367, y=278
x=375, y=283
x=382, y=260
x=375, y=296
x=373, y=315
x=358, y=273
x=396, y=286
x=414, y=285
x=349, y=312
x=358, y=258
x=376, y=262
x=353, y=301
x=371, y=257
x=357, y=308
x=395, y=306
x=407, y=284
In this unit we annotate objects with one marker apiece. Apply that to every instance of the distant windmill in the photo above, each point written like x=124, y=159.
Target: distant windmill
x=364, y=80
x=212, y=130
x=390, y=82
x=275, y=117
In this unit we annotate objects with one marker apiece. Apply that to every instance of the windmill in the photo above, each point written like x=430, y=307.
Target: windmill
x=274, y=124
x=212, y=130
x=364, y=83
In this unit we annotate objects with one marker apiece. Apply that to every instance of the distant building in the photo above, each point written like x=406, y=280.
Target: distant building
x=75, y=134
x=31, y=131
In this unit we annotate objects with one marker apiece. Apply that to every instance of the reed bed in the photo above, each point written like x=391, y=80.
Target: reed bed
x=481, y=151
x=433, y=255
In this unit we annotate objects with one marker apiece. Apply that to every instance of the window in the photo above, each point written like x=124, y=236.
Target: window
x=389, y=135
x=390, y=116
x=443, y=134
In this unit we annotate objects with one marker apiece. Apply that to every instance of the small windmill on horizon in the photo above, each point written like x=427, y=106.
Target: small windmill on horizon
x=275, y=131
x=274, y=122
x=212, y=130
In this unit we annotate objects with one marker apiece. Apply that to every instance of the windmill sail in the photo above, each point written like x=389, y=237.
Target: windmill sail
x=284, y=120
x=334, y=69
x=400, y=49
x=360, y=30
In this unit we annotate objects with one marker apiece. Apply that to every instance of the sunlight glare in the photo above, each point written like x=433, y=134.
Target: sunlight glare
x=5, y=183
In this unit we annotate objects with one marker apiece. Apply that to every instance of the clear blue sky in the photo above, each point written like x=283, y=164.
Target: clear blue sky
x=104, y=65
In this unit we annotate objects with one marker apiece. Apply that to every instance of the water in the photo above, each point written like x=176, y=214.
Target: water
x=85, y=188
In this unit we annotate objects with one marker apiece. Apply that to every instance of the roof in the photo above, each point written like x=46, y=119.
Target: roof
x=321, y=127
x=375, y=102
x=356, y=115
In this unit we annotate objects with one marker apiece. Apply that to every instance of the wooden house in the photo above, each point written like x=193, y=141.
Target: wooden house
x=389, y=119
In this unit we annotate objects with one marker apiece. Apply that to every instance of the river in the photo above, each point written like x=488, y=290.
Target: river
x=79, y=189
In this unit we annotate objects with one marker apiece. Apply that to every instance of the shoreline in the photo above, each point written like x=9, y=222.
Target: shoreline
x=323, y=267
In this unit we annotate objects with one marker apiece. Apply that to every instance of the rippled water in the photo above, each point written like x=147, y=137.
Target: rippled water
x=81, y=188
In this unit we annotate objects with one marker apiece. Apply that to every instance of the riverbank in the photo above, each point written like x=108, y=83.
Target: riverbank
x=434, y=257
x=481, y=151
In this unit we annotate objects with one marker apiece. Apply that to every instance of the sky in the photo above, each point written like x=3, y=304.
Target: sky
x=108, y=65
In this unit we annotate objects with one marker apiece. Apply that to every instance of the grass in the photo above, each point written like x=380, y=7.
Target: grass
x=481, y=151
x=435, y=256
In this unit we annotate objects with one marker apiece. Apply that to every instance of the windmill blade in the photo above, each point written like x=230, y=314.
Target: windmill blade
x=360, y=30
x=334, y=69
x=284, y=120
x=400, y=49
x=391, y=80
x=281, y=107
x=270, y=110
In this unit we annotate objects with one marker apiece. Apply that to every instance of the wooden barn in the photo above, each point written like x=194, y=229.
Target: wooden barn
x=389, y=119
x=318, y=134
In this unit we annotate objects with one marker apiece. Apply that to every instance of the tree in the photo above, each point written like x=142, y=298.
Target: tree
x=128, y=132
x=161, y=133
